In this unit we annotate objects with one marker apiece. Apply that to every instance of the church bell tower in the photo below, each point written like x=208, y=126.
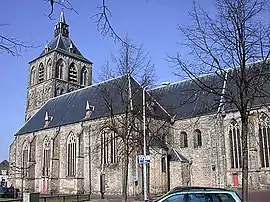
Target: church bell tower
x=59, y=69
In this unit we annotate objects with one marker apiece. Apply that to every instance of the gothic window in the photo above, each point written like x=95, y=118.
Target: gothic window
x=25, y=158
x=163, y=164
x=32, y=75
x=235, y=144
x=46, y=157
x=59, y=69
x=41, y=73
x=108, y=148
x=183, y=139
x=49, y=68
x=264, y=138
x=197, y=136
x=71, y=155
x=84, y=76
x=72, y=73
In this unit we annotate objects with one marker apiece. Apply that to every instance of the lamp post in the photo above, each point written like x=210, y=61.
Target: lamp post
x=144, y=143
x=144, y=148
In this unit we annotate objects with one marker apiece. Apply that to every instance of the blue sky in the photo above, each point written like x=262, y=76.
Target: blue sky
x=152, y=23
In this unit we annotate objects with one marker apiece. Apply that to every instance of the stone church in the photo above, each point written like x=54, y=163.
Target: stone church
x=62, y=149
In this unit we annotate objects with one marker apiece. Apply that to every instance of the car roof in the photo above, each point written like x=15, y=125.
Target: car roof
x=195, y=188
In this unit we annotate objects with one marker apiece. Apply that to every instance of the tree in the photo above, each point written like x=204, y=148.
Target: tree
x=123, y=99
x=12, y=45
x=228, y=47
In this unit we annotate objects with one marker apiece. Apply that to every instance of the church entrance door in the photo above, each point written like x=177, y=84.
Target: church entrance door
x=44, y=185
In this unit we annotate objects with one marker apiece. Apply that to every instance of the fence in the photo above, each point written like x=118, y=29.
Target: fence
x=65, y=198
x=54, y=198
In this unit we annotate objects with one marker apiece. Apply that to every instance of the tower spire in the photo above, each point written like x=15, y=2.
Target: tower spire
x=61, y=27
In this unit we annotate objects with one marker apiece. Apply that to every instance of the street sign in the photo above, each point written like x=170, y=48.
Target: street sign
x=147, y=159
x=144, y=159
x=141, y=159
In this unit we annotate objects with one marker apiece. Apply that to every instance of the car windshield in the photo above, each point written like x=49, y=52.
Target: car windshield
x=200, y=197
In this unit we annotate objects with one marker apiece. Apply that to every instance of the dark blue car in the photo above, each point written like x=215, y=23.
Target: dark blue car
x=8, y=192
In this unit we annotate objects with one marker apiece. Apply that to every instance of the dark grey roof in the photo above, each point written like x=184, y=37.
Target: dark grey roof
x=62, y=44
x=4, y=165
x=186, y=99
x=174, y=155
x=107, y=97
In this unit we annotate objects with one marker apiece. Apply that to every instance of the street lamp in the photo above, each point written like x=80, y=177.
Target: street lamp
x=144, y=142
x=144, y=148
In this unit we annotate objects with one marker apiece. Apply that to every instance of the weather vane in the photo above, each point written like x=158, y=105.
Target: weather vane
x=62, y=3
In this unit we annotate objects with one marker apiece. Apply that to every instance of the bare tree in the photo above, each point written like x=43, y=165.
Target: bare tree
x=12, y=45
x=123, y=99
x=227, y=47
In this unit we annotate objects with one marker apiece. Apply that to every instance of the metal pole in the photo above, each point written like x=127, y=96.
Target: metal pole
x=144, y=149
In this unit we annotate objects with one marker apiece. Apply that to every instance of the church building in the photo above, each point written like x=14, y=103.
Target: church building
x=64, y=148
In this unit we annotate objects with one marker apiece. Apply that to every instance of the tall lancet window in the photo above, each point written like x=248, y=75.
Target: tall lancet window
x=264, y=138
x=46, y=157
x=109, y=148
x=32, y=75
x=235, y=144
x=72, y=73
x=84, y=76
x=41, y=73
x=25, y=158
x=59, y=69
x=71, y=154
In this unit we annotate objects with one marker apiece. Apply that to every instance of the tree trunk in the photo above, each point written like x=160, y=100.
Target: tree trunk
x=125, y=176
x=244, y=120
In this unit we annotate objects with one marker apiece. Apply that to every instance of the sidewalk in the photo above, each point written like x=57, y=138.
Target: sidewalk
x=112, y=198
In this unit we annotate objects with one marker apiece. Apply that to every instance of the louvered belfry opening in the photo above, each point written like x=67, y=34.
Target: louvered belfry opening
x=41, y=73
x=72, y=73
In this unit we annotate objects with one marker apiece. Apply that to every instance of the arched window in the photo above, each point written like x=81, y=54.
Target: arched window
x=71, y=155
x=72, y=73
x=49, y=69
x=59, y=69
x=264, y=138
x=235, y=144
x=84, y=76
x=108, y=148
x=197, y=136
x=40, y=73
x=183, y=139
x=32, y=75
x=25, y=158
x=46, y=156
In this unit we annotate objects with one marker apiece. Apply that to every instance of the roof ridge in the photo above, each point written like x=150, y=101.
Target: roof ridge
x=87, y=87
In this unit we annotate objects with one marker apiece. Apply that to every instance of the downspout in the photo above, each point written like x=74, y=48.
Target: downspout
x=89, y=163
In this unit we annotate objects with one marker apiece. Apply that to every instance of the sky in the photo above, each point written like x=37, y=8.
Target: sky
x=152, y=23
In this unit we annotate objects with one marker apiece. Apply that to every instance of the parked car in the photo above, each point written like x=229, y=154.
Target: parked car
x=8, y=192
x=199, y=194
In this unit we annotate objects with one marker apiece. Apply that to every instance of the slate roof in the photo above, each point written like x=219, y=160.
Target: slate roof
x=176, y=156
x=186, y=99
x=4, y=165
x=61, y=43
x=70, y=108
